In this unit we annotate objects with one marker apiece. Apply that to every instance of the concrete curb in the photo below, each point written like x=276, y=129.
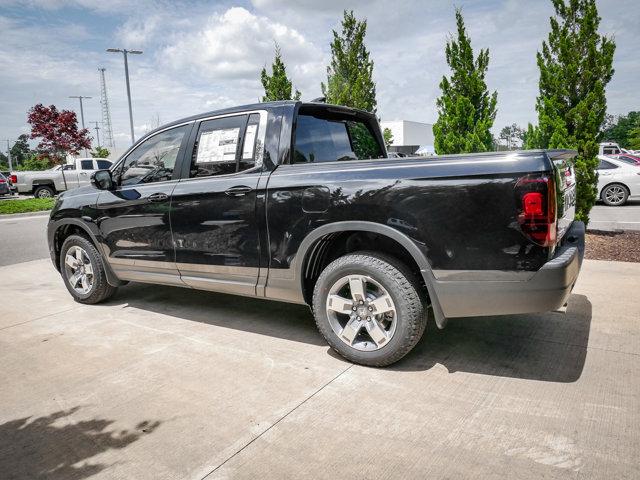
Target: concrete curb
x=40, y=213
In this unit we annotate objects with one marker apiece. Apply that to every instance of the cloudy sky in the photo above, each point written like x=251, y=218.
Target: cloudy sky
x=201, y=56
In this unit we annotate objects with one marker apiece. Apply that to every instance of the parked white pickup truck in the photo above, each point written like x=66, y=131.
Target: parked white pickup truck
x=47, y=183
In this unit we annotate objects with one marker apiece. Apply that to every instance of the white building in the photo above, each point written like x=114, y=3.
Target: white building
x=409, y=136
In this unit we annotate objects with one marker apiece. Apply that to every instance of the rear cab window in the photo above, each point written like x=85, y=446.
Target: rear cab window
x=326, y=135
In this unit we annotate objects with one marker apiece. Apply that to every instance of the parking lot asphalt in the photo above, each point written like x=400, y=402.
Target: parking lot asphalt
x=23, y=238
x=626, y=217
x=170, y=383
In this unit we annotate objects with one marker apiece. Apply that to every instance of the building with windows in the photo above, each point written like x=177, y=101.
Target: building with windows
x=409, y=137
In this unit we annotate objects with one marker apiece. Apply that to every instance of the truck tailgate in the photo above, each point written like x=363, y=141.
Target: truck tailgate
x=565, y=181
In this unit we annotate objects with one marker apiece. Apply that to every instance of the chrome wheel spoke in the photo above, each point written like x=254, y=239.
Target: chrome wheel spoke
x=71, y=261
x=79, y=256
x=73, y=280
x=376, y=332
x=350, y=330
x=85, y=283
x=382, y=304
x=358, y=288
x=88, y=269
x=339, y=304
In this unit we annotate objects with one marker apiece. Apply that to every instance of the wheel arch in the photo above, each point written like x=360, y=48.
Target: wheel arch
x=315, y=245
x=73, y=226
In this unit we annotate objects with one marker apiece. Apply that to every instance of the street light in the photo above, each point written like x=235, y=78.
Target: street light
x=81, y=97
x=125, y=52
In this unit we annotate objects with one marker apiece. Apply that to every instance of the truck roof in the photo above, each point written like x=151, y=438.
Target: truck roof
x=254, y=106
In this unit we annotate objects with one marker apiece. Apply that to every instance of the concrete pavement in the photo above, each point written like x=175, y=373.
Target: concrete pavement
x=169, y=383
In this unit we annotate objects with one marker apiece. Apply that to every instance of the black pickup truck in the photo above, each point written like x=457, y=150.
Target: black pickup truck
x=297, y=202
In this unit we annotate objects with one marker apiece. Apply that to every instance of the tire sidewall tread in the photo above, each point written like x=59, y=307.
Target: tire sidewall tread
x=400, y=283
x=101, y=289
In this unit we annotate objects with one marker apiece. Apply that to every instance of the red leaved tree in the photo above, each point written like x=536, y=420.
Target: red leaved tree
x=58, y=133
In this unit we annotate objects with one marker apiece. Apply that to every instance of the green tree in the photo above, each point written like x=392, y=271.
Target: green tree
x=277, y=86
x=350, y=74
x=633, y=139
x=531, y=138
x=35, y=162
x=466, y=109
x=618, y=129
x=575, y=66
x=100, y=152
x=21, y=150
x=387, y=135
x=512, y=136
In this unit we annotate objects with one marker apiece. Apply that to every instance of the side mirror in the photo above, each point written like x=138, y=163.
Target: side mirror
x=102, y=180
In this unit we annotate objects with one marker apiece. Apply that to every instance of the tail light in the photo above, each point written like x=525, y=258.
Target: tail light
x=2, y=180
x=536, y=200
x=13, y=178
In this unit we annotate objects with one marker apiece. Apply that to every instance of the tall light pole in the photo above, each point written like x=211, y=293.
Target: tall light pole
x=96, y=128
x=81, y=97
x=9, y=155
x=125, y=52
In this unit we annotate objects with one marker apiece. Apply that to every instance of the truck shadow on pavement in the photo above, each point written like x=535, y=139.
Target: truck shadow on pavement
x=57, y=447
x=546, y=346
x=549, y=347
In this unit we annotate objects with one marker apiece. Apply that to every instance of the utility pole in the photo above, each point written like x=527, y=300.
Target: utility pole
x=125, y=52
x=81, y=97
x=96, y=128
x=9, y=155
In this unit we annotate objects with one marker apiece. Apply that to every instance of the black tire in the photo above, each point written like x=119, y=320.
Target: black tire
x=100, y=288
x=615, y=195
x=44, y=191
x=401, y=285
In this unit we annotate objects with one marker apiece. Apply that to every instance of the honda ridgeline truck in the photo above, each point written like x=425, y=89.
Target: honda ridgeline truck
x=297, y=202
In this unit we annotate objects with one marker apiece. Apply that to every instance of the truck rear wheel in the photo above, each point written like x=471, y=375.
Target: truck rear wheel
x=369, y=308
x=44, y=191
x=82, y=269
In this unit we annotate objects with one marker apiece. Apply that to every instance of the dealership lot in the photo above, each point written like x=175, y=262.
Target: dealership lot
x=165, y=382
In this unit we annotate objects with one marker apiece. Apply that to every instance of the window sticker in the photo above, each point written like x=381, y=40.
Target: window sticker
x=249, y=142
x=218, y=146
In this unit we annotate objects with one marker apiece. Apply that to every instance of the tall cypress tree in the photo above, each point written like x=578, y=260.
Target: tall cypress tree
x=466, y=110
x=350, y=74
x=277, y=86
x=575, y=66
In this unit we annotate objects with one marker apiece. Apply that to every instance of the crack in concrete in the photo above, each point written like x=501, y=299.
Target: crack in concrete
x=278, y=421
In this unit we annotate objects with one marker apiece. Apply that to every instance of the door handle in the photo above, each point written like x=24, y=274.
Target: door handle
x=238, y=191
x=158, y=197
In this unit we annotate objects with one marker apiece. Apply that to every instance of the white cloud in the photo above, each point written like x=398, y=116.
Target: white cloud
x=204, y=56
x=236, y=45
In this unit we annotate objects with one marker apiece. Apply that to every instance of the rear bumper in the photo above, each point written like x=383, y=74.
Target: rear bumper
x=548, y=289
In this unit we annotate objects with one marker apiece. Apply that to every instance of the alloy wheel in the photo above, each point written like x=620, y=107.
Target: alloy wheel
x=361, y=312
x=615, y=194
x=79, y=270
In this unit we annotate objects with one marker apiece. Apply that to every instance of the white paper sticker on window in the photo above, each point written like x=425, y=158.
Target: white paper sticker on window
x=249, y=142
x=218, y=146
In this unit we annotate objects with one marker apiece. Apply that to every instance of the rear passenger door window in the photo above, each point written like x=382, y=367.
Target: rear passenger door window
x=226, y=145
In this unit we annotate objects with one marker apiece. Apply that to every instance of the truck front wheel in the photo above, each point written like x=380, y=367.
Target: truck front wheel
x=369, y=308
x=43, y=191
